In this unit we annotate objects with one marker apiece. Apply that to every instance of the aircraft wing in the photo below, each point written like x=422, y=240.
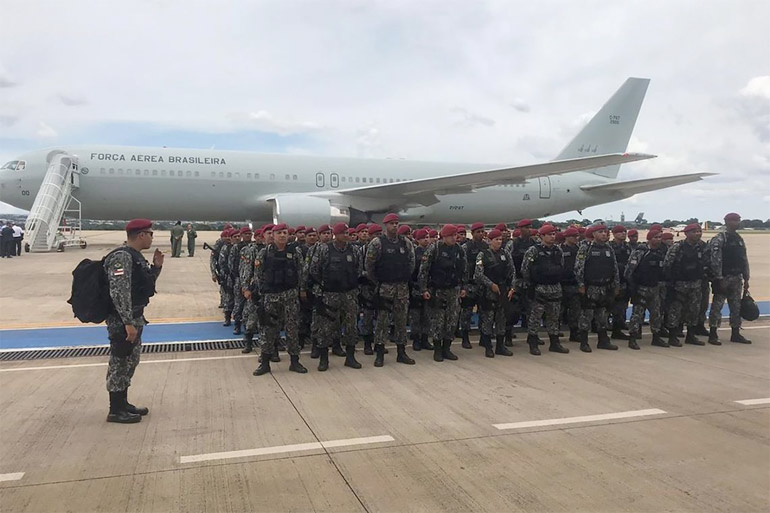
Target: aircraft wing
x=424, y=190
x=631, y=187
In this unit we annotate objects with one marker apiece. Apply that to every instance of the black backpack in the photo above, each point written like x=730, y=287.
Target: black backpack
x=90, y=300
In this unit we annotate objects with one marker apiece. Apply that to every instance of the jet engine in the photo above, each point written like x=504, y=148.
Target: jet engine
x=301, y=209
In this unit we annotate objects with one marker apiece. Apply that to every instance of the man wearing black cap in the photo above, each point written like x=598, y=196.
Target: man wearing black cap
x=131, y=282
x=730, y=269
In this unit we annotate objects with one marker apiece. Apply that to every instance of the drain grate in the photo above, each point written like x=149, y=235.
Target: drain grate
x=74, y=352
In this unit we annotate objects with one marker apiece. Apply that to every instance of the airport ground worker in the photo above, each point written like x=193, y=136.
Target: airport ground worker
x=191, y=236
x=177, y=234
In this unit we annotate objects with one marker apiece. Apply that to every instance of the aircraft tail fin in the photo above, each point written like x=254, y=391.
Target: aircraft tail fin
x=610, y=129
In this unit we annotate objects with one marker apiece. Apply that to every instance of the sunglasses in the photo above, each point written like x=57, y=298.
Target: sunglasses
x=148, y=232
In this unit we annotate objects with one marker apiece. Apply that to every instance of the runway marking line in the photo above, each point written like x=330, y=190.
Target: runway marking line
x=280, y=449
x=752, y=402
x=11, y=477
x=577, y=420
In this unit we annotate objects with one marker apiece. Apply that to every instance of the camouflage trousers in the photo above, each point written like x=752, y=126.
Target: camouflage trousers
x=493, y=313
x=570, y=305
x=226, y=294
x=594, y=304
x=646, y=298
x=239, y=302
x=684, y=304
x=418, y=315
x=443, y=312
x=281, y=310
x=124, y=356
x=392, y=305
x=306, y=319
x=520, y=308
x=547, y=301
x=705, y=295
x=466, y=306
x=334, y=316
x=619, y=307
x=368, y=313
x=731, y=289
x=249, y=317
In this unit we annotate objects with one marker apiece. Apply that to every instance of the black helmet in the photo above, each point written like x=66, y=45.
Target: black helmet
x=749, y=309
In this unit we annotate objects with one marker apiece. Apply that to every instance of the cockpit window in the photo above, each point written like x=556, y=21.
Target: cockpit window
x=15, y=165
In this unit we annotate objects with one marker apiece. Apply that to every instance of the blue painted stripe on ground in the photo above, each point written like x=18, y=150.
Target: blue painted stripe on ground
x=153, y=333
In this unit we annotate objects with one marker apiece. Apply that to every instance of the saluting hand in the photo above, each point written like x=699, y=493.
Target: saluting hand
x=157, y=258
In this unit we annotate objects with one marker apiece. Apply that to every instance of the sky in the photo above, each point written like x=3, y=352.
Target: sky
x=506, y=82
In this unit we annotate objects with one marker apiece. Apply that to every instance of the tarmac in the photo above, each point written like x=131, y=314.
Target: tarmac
x=674, y=429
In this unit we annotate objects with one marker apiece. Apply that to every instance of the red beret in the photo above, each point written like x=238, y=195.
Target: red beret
x=235, y=232
x=224, y=233
x=338, y=228
x=433, y=233
x=420, y=234
x=560, y=237
x=310, y=230
x=656, y=226
x=477, y=226
x=258, y=232
x=245, y=229
x=517, y=233
x=667, y=235
x=618, y=228
x=374, y=228
x=502, y=227
x=571, y=232
x=595, y=228
x=351, y=231
x=137, y=225
x=581, y=229
x=324, y=228
x=461, y=228
x=633, y=232
x=300, y=228
x=494, y=234
x=732, y=216
x=547, y=228
x=280, y=226
x=691, y=227
x=652, y=234
x=524, y=223
x=362, y=226
x=390, y=218
x=292, y=231
x=268, y=227
x=448, y=230
x=404, y=229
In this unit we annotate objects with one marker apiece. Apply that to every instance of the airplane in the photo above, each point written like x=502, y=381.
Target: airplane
x=116, y=182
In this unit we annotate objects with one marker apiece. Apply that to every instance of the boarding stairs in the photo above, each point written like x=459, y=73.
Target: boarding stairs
x=54, y=199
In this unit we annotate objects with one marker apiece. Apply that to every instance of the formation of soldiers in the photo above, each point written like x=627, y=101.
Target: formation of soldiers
x=335, y=285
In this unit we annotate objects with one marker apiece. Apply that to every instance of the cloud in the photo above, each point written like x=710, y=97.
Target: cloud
x=467, y=118
x=265, y=121
x=520, y=105
x=6, y=120
x=72, y=100
x=46, y=132
x=368, y=141
x=754, y=105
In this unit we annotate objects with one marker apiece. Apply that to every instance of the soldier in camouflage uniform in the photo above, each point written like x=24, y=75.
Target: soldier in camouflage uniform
x=389, y=263
x=596, y=272
x=280, y=275
x=644, y=275
x=570, y=302
x=366, y=296
x=214, y=263
x=419, y=322
x=473, y=247
x=633, y=239
x=337, y=268
x=131, y=282
x=249, y=291
x=730, y=271
x=225, y=276
x=622, y=252
x=495, y=277
x=683, y=267
x=234, y=263
x=542, y=270
x=307, y=311
x=443, y=271
x=521, y=305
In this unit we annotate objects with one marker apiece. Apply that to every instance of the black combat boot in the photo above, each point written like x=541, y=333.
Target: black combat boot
x=632, y=344
x=508, y=339
x=604, y=342
x=737, y=337
x=618, y=335
x=438, y=352
x=379, y=358
x=274, y=357
x=323, y=362
x=130, y=408
x=574, y=335
x=314, y=349
x=500, y=346
x=402, y=356
x=264, y=365
x=485, y=341
x=532, y=341
x=424, y=342
x=297, y=367
x=657, y=340
x=337, y=348
x=447, y=349
x=583, y=335
x=248, y=342
x=118, y=412
x=466, y=339
x=368, y=345
x=690, y=339
x=672, y=340
x=713, y=337
x=237, y=328
x=664, y=331
x=416, y=343
x=350, y=357
x=556, y=346
x=227, y=319
x=701, y=330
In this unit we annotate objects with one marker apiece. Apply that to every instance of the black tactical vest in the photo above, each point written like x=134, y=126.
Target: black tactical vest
x=393, y=264
x=547, y=268
x=520, y=246
x=733, y=255
x=142, y=282
x=340, y=272
x=599, y=267
x=472, y=250
x=280, y=270
x=496, y=266
x=446, y=270
x=419, y=251
x=650, y=269
x=622, y=254
x=689, y=263
x=569, y=252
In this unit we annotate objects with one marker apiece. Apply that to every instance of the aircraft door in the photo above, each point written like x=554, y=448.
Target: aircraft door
x=75, y=176
x=319, y=180
x=545, y=187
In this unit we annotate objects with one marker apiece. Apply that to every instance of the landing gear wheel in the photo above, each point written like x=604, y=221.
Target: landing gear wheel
x=26, y=247
x=60, y=249
x=83, y=244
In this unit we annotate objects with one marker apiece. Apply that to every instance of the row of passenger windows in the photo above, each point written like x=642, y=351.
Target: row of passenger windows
x=228, y=174
x=147, y=172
